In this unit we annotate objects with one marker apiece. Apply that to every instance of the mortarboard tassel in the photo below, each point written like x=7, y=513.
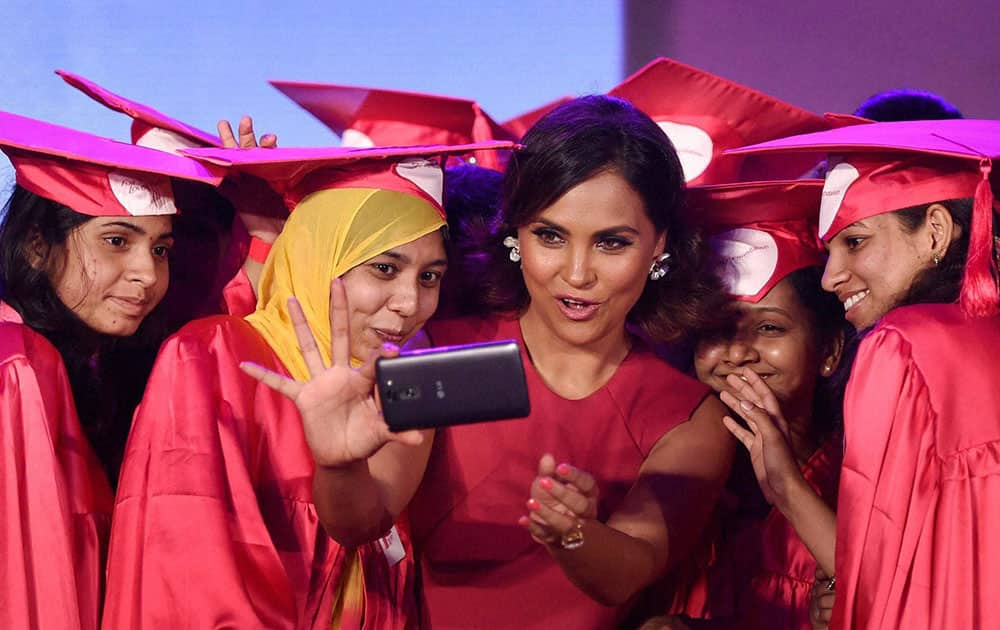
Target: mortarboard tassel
x=980, y=295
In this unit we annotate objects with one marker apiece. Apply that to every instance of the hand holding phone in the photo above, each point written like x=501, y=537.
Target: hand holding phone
x=453, y=385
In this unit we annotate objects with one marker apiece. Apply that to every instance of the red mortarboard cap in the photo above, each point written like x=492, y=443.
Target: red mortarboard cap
x=298, y=172
x=703, y=115
x=367, y=117
x=150, y=128
x=882, y=167
x=760, y=231
x=95, y=175
x=518, y=125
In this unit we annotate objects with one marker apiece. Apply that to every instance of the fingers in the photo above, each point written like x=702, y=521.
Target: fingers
x=247, y=138
x=765, y=397
x=743, y=389
x=546, y=465
x=757, y=418
x=552, y=493
x=226, y=134
x=385, y=351
x=579, y=479
x=745, y=437
x=268, y=141
x=307, y=343
x=340, y=327
x=548, y=516
x=409, y=438
x=281, y=384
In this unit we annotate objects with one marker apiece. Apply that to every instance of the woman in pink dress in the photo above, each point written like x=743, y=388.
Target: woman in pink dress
x=556, y=520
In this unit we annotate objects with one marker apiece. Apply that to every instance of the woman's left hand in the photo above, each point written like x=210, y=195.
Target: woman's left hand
x=561, y=498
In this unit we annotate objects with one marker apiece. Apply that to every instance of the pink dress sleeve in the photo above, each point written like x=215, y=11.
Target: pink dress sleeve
x=55, y=502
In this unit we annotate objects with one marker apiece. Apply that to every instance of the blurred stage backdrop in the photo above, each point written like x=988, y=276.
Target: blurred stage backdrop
x=200, y=61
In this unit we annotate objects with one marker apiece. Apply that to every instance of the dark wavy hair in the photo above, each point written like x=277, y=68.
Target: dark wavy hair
x=575, y=142
x=107, y=374
x=472, y=198
x=826, y=315
x=907, y=104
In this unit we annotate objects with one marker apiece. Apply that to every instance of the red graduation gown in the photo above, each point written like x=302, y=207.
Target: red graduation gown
x=55, y=501
x=762, y=573
x=479, y=568
x=214, y=523
x=919, y=504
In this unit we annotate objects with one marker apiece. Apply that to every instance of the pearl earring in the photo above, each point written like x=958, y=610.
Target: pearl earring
x=660, y=266
x=514, y=245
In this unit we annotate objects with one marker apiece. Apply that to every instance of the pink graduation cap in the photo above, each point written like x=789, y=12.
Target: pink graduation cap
x=150, y=127
x=704, y=114
x=519, y=125
x=154, y=129
x=94, y=175
x=367, y=117
x=760, y=232
x=882, y=167
x=298, y=172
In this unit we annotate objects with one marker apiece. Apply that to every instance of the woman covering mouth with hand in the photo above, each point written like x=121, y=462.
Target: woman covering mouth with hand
x=84, y=251
x=784, y=345
x=908, y=218
x=609, y=481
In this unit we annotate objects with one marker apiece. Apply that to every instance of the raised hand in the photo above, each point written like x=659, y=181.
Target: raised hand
x=247, y=137
x=561, y=498
x=767, y=438
x=342, y=421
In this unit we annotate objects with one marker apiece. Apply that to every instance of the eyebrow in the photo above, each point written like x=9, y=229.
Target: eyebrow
x=772, y=309
x=403, y=258
x=614, y=229
x=132, y=227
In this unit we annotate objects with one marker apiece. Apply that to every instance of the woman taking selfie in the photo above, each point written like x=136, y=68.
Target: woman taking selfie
x=214, y=520
x=556, y=520
x=907, y=216
x=85, y=243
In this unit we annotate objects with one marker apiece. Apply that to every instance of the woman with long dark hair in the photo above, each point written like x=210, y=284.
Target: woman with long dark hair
x=83, y=264
x=556, y=520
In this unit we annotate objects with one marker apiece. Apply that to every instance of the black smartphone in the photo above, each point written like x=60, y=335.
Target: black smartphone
x=440, y=387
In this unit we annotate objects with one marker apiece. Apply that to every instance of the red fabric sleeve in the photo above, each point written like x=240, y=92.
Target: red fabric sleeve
x=189, y=546
x=55, y=500
x=887, y=482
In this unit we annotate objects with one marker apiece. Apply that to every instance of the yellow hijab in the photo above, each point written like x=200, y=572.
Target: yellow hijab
x=328, y=233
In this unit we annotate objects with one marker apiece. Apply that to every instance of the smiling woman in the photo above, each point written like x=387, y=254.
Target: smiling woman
x=83, y=264
x=113, y=271
x=592, y=207
x=909, y=219
x=211, y=446
x=783, y=347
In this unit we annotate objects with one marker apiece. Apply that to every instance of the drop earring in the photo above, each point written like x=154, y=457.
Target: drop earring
x=514, y=245
x=660, y=266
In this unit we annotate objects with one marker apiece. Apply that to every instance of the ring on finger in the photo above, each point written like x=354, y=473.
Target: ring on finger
x=573, y=539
